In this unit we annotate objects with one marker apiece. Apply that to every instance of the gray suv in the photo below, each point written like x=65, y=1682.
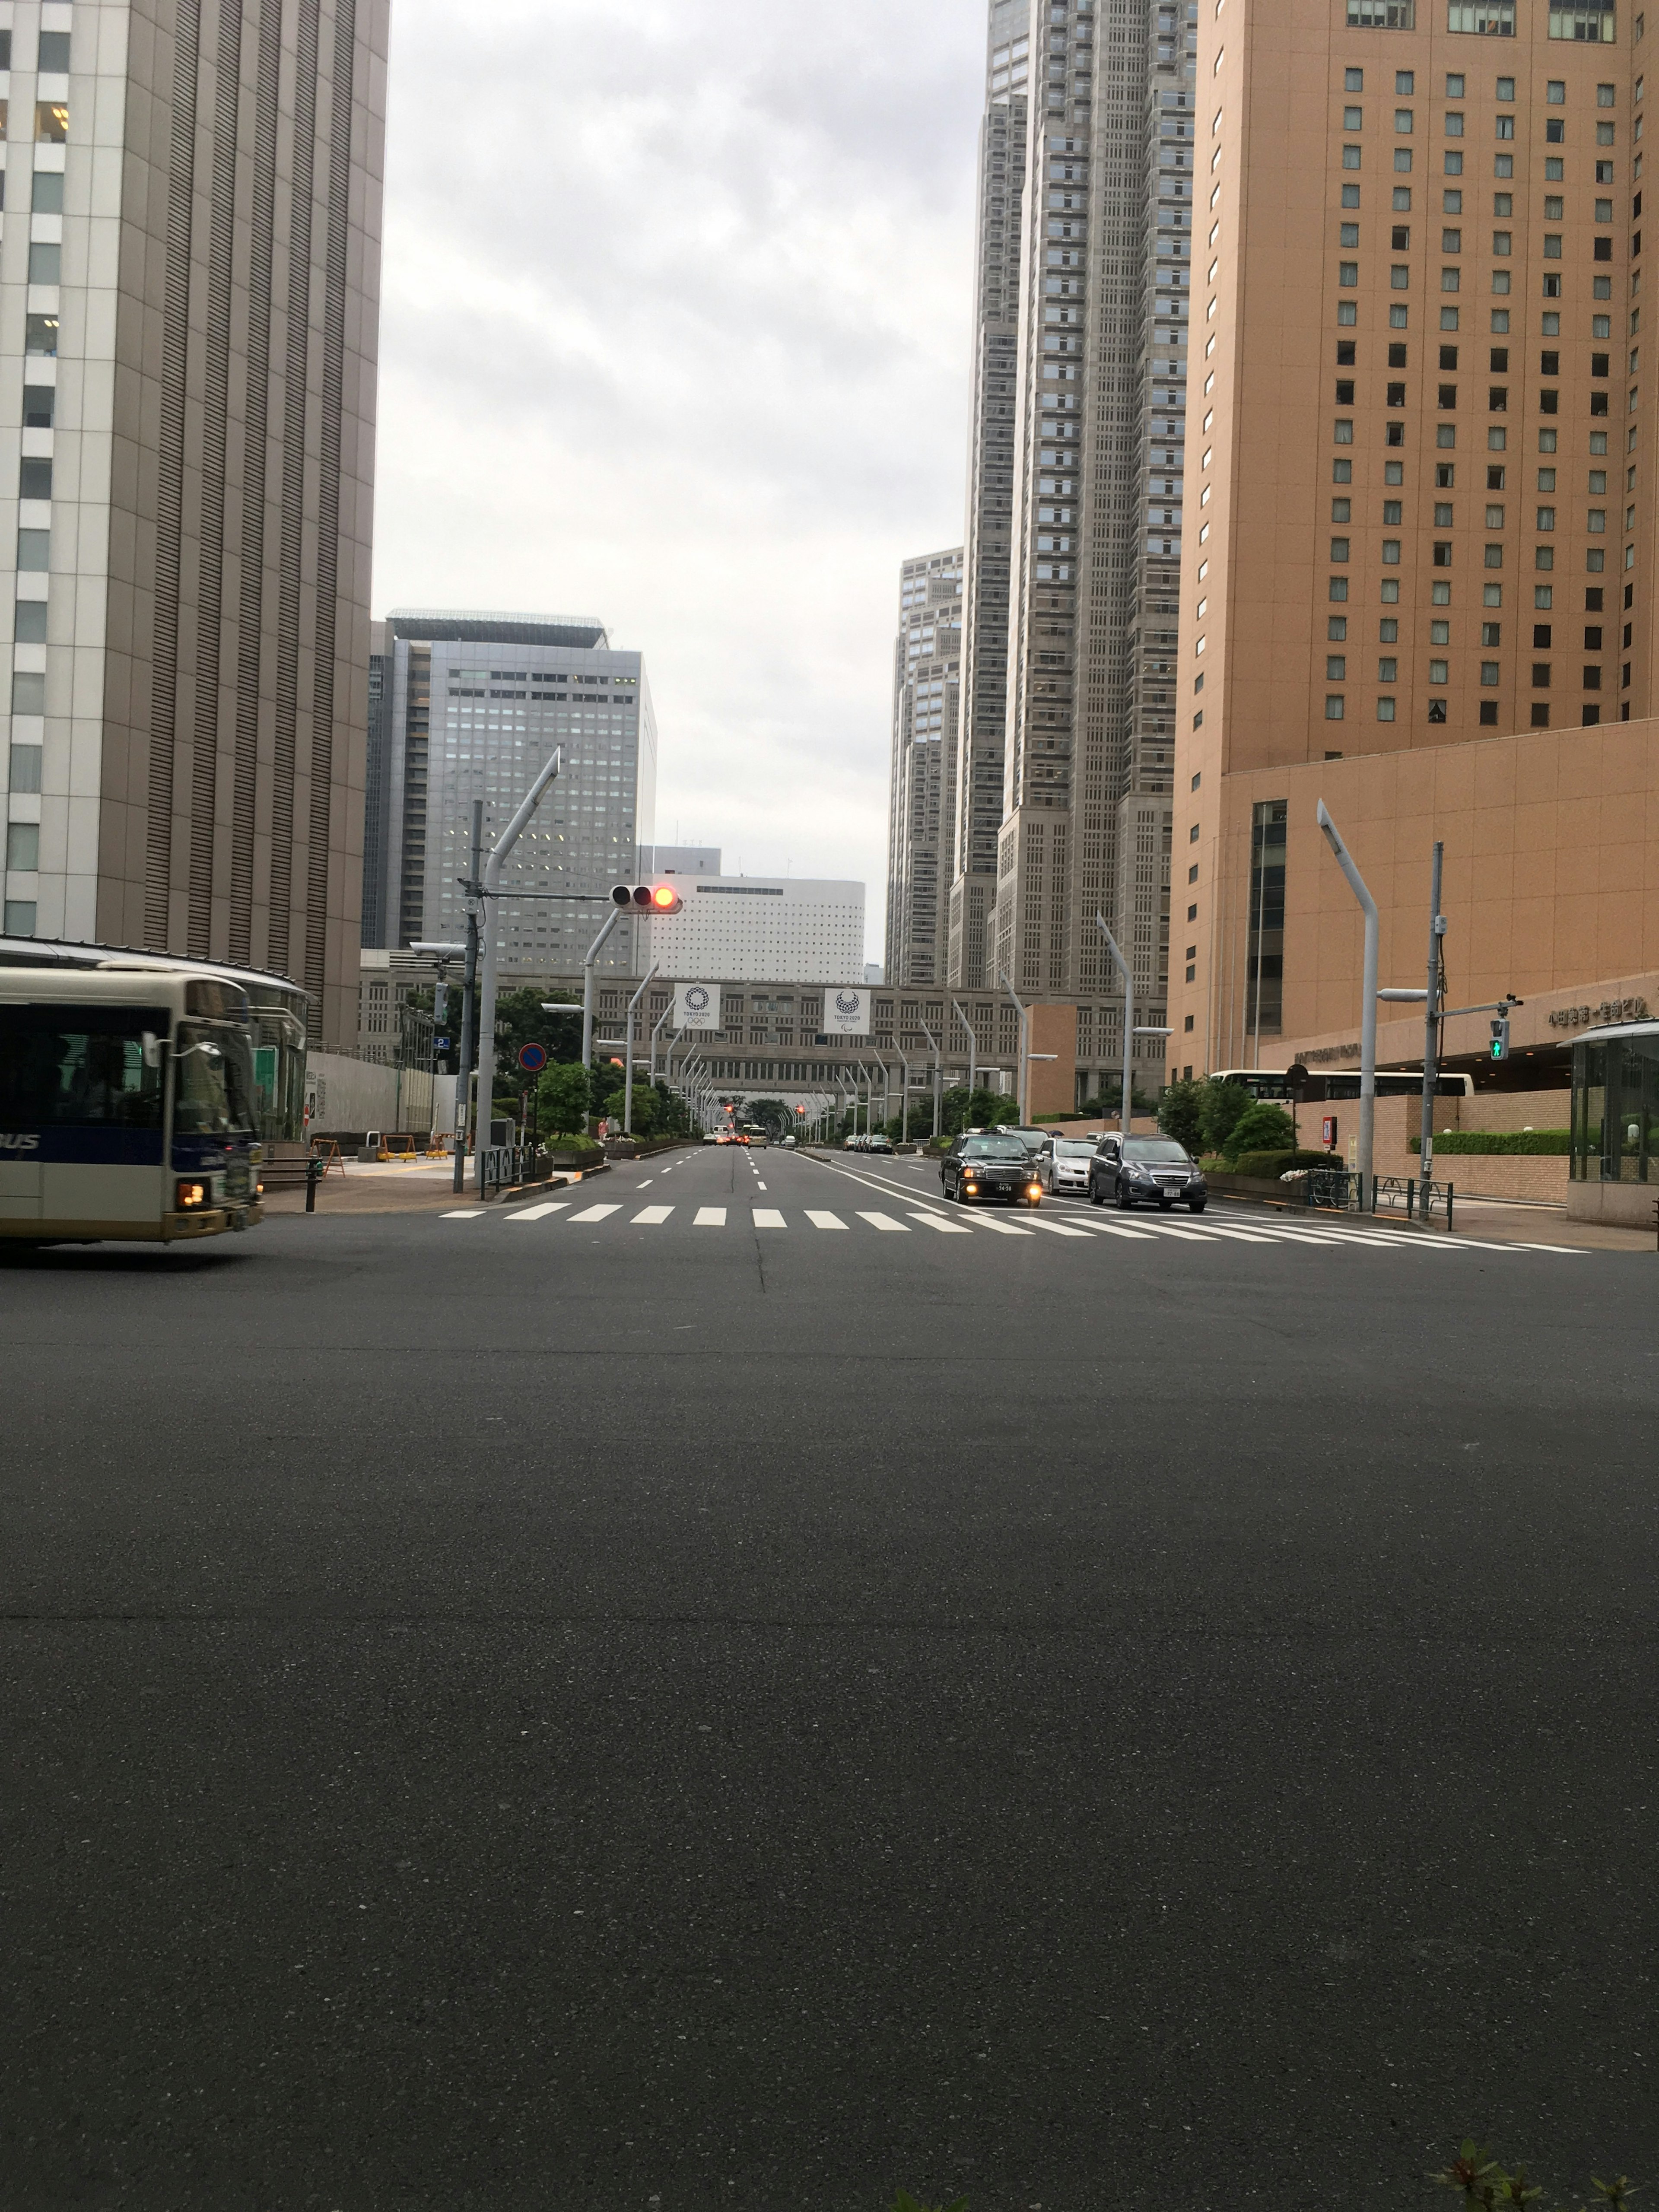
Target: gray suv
x=1128, y=1170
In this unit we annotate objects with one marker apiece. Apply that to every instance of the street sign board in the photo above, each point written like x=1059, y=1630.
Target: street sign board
x=532, y=1058
x=696, y=1005
x=846, y=1013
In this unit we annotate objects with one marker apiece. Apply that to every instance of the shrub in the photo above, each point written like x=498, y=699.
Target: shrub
x=1220, y=1106
x=1511, y=1141
x=1180, y=1113
x=1262, y=1128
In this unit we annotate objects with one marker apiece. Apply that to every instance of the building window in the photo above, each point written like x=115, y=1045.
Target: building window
x=1265, y=950
x=52, y=122
x=1336, y=707
x=1380, y=15
x=1489, y=19
x=40, y=334
x=1593, y=25
x=46, y=263
x=1385, y=710
x=34, y=549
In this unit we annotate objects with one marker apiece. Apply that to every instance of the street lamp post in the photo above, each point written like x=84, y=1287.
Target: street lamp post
x=939, y=1073
x=1020, y=1080
x=491, y=890
x=1125, y=1104
x=611, y=921
x=973, y=1060
x=628, y=1053
x=1367, y=1007
x=469, y=987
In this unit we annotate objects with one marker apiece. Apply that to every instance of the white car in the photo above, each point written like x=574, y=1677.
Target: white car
x=1066, y=1164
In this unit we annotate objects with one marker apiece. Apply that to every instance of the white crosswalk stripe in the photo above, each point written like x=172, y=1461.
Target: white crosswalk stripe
x=884, y=1221
x=651, y=1215
x=768, y=1217
x=539, y=1213
x=710, y=1216
x=1061, y=1229
x=944, y=1228
x=1005, y=1228
x=824, y=1220
x=464, y=1214
x=595, y=1213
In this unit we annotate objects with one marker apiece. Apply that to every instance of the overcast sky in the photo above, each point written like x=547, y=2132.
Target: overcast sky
x=675, y=332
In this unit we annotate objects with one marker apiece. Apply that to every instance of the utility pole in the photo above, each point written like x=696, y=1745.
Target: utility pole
x=1367, y=1009
x=470, y=977
x=1430, y=1036
x=491, y=890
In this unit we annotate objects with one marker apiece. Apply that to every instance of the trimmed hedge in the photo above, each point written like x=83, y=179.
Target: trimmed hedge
x=1269, y=1166
x=1512, y=1141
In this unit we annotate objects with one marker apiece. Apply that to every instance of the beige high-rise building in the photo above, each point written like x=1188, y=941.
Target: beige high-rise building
x=189, y=290
x=921, y=795
x=1421, y=462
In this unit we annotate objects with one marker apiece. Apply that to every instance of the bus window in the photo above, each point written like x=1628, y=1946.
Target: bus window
x=69, y=1067
x=215, y=1097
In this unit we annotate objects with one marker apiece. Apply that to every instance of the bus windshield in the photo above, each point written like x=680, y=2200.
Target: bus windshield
x=215, y=1097
x=80, y=1066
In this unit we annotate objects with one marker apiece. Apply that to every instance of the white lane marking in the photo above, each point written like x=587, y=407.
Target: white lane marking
x=760, y=1186
x=1112, y=1229
x=824, y=1220
x=710, y=1216
x=649, y=1180
x=1573, y=1251
x=653, y=1214
x=595, y=1213
x=463, y=1214
x=884, y=1221
x=944, y=1228
x=1061, y=1229
x=1005, y=1227
x=768, y=1217
x=539, y=1213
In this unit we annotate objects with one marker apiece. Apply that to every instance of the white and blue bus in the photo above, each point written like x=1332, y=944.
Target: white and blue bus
x=128, y=1107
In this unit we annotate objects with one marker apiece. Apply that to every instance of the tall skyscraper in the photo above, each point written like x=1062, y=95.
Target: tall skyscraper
x=921, y=799
x=1423, y=578
x=188, y=294
x=1091, y=331
x=474, y=702
x=982, y=724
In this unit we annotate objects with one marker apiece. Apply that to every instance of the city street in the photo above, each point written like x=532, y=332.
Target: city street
x=738, y=1683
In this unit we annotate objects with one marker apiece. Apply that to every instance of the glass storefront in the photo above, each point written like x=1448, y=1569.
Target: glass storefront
x=1615, y=1105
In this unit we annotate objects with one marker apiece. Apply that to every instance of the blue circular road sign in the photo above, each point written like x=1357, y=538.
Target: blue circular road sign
x=532, y=1058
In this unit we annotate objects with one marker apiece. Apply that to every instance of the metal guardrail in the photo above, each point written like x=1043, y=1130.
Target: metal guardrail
x=1403, y=1194
x=502, y=1166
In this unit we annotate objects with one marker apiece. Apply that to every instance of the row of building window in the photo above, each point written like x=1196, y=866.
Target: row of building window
x=1555, y=89
x=1489, y=18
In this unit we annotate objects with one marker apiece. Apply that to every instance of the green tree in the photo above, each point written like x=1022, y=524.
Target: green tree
x=1262, y=1128
x=772, y=1115
x=1220, y=1106
x=519, y=1021
x=1180, y=1113
x=563, y=1097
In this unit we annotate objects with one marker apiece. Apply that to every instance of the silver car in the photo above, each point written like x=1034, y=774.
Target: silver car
x=1066, y=1164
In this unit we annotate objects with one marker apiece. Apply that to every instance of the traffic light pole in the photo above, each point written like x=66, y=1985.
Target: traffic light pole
x=1367, y=1008
x=973, y=1062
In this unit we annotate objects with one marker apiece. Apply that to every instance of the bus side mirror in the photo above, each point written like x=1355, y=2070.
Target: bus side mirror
x=152, y=1045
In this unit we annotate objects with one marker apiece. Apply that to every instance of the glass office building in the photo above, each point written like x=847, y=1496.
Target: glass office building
x=473, y=704
x=1615, y=1104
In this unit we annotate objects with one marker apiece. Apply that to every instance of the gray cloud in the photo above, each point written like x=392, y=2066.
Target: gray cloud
x=675, y=332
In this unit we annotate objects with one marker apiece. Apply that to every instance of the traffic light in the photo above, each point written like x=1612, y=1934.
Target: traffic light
x=1500, y=1037
x=647, y=898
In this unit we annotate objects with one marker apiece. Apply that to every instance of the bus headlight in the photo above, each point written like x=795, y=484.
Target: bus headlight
x=192, y=1194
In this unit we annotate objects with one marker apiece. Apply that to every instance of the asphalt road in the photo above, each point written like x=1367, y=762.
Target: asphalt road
x=598, y=1713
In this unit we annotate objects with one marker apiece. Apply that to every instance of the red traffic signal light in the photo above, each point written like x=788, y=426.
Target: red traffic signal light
x=647, y=898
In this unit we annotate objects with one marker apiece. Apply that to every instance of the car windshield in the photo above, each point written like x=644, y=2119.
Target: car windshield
x=1162, y=1151
x=214, y=1093
x=1073, y=1148
x=994, y=1148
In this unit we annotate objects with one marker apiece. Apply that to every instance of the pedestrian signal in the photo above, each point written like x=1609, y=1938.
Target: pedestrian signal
x=1500, y=1037
x=647, y=898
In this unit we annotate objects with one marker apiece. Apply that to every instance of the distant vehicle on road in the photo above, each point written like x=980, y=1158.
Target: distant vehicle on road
x=1127, y=1169
x=1033, y=1139
x=995, y=1169
x=712, y=1137
x=128, y=1109
x=789, y=1143
x=878, y=1143
x=1065, y=1163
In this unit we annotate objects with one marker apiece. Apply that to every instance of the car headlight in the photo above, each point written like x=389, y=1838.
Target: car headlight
x=970, y=1187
